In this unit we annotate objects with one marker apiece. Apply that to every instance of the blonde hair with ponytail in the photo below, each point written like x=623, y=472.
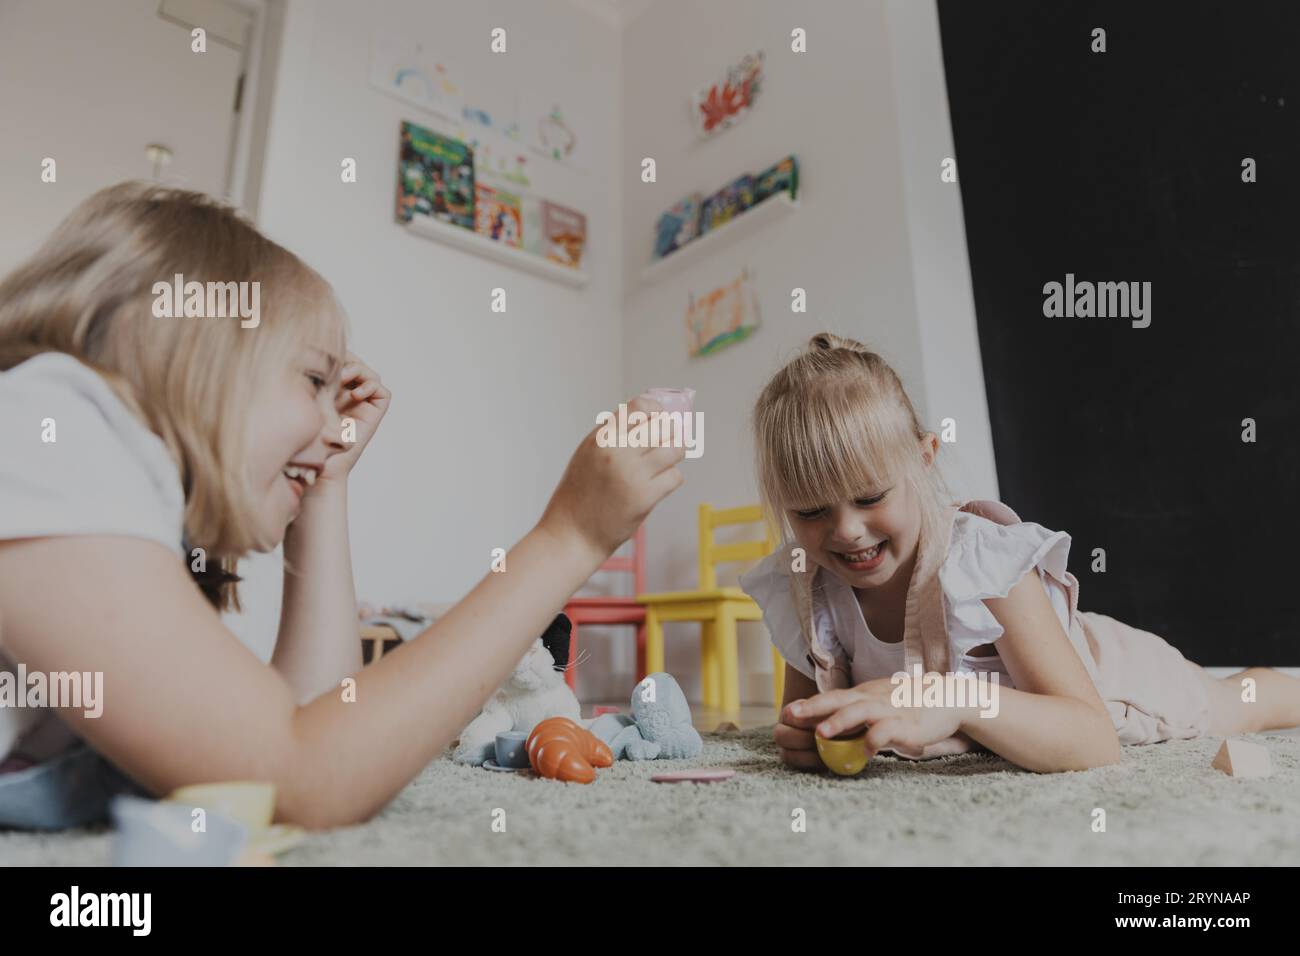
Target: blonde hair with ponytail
x=835, y=424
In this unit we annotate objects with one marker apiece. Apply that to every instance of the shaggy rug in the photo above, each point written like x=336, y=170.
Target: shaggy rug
x=1164, y=805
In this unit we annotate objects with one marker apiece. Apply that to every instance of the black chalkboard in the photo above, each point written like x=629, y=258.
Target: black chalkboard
x=1127, y=166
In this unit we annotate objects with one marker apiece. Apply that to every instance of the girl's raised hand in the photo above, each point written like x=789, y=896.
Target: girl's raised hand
x=362, y=398
x=605, y=493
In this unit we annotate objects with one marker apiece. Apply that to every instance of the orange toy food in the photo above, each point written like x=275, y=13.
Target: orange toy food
x=560, y=749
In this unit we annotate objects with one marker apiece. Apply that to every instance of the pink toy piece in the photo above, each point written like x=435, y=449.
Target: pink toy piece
x=604, y=709
x=673, y=399
x=699, y=775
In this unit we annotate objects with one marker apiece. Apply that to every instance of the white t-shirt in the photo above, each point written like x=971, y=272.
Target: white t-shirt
x=984, y=560
x=105, y=473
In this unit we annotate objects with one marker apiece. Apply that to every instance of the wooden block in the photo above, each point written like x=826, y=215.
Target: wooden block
x=726, y=727
x=1238, y=758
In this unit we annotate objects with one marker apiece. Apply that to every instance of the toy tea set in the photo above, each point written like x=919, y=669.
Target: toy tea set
x=533, y=722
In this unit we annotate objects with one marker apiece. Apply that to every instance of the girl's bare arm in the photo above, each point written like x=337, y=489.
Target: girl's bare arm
x=1054, y=719
x=185, y=702
x=319, y=640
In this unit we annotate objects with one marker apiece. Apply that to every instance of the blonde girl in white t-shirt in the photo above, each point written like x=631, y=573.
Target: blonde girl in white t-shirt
x=846, y=469
x=179, y=434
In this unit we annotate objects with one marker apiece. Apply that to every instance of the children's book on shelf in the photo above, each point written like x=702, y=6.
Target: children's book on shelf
x=565, y=232
x=678, y=225
x=498, y=215
x=435, y=177
x=534, y=237
x=727, y=203
x=782, y=177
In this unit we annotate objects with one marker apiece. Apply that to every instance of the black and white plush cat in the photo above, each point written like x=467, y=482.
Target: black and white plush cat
x=536, y=690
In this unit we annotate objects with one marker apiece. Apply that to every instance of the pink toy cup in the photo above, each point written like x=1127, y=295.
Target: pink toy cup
x=673, y=399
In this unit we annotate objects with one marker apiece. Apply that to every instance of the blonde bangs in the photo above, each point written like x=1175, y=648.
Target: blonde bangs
x=835, y=425
x=826, y=448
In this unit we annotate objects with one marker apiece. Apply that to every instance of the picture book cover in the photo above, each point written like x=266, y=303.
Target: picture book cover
x=534, y=237
x=782, y=177
x=727, y=203
x=565, y=233
x=435, y=177
x=678, y=225
x=498, y=215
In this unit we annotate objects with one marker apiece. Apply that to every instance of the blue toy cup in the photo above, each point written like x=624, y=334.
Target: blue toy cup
x=511, y=751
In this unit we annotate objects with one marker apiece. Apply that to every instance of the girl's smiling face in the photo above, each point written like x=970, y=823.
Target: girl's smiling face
x=294, y=428
x=863, y=541
x=868, y=540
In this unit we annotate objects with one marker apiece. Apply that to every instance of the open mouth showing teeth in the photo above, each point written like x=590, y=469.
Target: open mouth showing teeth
x=858, y=557
x=307, y=476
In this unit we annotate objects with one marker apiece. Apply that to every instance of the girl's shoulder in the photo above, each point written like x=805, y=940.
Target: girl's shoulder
x=77, y=459
x=987, y=558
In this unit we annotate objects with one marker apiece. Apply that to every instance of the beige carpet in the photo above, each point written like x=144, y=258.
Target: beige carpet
x=1164, y=806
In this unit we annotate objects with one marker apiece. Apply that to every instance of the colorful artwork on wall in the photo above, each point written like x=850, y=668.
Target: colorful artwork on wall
x=721, y=105
x=722, y=316
x=407, y=70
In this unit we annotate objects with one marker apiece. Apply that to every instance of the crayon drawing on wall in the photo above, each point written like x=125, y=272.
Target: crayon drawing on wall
x=722, y=104
x=722, y=316
x=406, y=69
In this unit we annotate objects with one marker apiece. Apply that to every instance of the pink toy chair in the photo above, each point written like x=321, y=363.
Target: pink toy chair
x=614, y=609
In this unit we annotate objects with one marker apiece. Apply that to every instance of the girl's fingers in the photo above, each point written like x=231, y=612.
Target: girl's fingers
x=662, y=458
x=355, y=370
x=808, y=712
x=803, y=723
x=891, y=732
x=665, y=483
x=793, y=738
x=852, y=718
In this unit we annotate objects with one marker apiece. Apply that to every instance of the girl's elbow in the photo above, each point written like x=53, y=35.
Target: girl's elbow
x=1107, y=751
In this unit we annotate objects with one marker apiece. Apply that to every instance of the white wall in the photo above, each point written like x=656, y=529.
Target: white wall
x=851, y=245
x=90, y=85
x=953, y=377
x=487, y=407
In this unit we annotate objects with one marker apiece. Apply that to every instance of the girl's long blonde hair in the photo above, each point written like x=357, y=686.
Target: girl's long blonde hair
x=88, y=293
x=835, y=424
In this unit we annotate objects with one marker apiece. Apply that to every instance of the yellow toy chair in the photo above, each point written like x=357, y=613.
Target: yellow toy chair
x=717, y=609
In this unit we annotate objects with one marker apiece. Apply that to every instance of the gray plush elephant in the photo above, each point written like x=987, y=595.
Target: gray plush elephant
x=660, y=726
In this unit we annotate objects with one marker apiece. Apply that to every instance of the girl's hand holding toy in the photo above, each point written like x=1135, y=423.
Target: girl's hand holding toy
x=606, y=493
x=839, y=713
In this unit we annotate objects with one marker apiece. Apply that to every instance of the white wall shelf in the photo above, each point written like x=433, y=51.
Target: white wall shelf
x=749, y=221
x=429, y=228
